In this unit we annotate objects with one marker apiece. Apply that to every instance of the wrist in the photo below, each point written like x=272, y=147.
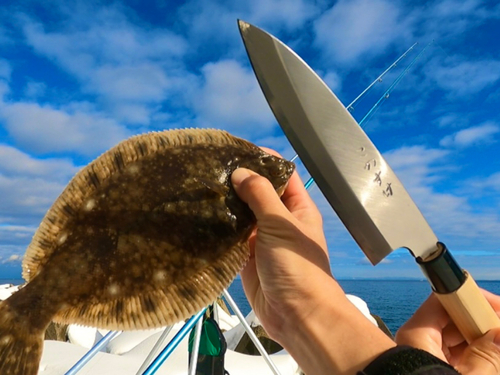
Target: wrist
x=322, y=297
x=301, y=303
x=334, y=336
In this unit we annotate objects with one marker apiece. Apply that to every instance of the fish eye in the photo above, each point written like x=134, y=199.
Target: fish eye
x=264, y=161
x=279, y=170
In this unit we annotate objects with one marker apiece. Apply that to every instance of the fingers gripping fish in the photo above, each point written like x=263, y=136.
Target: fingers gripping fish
x=144, y=236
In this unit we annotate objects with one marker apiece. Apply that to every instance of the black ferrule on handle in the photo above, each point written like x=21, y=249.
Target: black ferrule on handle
x=442, y=270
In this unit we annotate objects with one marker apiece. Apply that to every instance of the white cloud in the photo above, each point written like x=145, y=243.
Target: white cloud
x=461, y=77
x=5, y=69
x=4, y=38
x=452, y=120
x=493, y=181
x=417, y=166
x=473, y=136
x=354, y=32
x=198, y=17
x=44, y=129
x=14, y=239
x=4, y=89
x=14, y=162
x=445, y=20
x=231, y=98
x=28, y=186
x=26, y=199
x=289, y=14
x=481, y=186
x=143, y=82
x=34, y=90
x=454, y=8
x=222, y=36
x=105, y=37
x=453, y=17
x=116, y=60
x=333, y=81
x=359, y=28
x=15, y=258
x=451, y=216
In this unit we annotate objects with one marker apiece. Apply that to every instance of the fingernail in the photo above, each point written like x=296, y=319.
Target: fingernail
x=240, y=175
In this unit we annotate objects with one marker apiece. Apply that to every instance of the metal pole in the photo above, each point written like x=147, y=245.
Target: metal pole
x=251, y=333
x=154, y=351
x=92, y=352
x=216, y=310
x=165, y=353
x=196, y=347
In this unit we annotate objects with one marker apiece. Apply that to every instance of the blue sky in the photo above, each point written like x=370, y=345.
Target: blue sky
x=76, y=77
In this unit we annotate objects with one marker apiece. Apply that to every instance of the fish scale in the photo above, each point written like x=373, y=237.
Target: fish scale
x=144, y=236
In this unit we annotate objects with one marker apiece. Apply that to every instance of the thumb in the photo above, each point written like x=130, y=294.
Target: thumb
x=482, y=356
x=258, y=193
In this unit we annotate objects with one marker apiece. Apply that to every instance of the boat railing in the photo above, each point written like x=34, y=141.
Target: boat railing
x=150, y=366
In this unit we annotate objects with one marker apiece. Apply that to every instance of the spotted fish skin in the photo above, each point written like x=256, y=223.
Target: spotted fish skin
x=143, y=237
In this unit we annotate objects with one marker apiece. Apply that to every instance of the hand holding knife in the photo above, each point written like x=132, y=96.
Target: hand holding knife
x=356, y=180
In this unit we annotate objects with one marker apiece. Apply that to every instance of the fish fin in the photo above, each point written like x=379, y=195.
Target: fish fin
x=168, y=304
x=215, y=186
x=20, y=345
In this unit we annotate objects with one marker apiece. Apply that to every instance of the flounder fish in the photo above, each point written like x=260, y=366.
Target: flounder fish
x=144, y=236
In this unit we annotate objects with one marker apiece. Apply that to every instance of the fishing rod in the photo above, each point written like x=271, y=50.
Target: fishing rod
x=389, y=90
x=386, y=95
x=350, y=107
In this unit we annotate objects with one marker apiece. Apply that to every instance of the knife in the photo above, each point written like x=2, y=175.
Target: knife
x=356, y=180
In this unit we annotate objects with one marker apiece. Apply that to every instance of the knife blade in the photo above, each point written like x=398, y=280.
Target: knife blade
x=356, y=180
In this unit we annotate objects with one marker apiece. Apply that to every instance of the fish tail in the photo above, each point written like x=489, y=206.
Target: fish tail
x=20, y=345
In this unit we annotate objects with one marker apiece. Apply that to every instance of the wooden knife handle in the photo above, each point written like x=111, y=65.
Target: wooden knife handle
x=459, y=294
x=469, y=309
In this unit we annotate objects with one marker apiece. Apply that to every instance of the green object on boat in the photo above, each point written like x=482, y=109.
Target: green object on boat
x=212, y=348
x=212, y=342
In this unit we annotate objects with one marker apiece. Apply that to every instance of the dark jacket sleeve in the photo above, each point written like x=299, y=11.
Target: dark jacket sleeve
x=405, y=360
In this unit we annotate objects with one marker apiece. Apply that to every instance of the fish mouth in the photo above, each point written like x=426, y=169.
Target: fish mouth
x=290, y=169
x=282, y=189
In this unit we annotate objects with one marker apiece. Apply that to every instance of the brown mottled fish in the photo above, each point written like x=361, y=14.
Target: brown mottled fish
x=144, y=236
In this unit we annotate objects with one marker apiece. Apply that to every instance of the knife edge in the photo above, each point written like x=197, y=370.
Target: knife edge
x=303, y=101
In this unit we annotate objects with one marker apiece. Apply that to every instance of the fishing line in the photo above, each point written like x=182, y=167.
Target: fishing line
x=385, y=96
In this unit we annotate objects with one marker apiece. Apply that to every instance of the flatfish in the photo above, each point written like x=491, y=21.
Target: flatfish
x=144, y=236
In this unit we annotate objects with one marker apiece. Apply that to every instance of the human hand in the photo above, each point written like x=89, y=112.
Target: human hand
x=288, y=253
x=431, y=329
x=289, y=284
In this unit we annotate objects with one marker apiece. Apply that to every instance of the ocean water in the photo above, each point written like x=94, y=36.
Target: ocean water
x=393, y=300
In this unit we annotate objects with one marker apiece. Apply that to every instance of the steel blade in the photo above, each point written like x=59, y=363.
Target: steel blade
x=349, y=170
